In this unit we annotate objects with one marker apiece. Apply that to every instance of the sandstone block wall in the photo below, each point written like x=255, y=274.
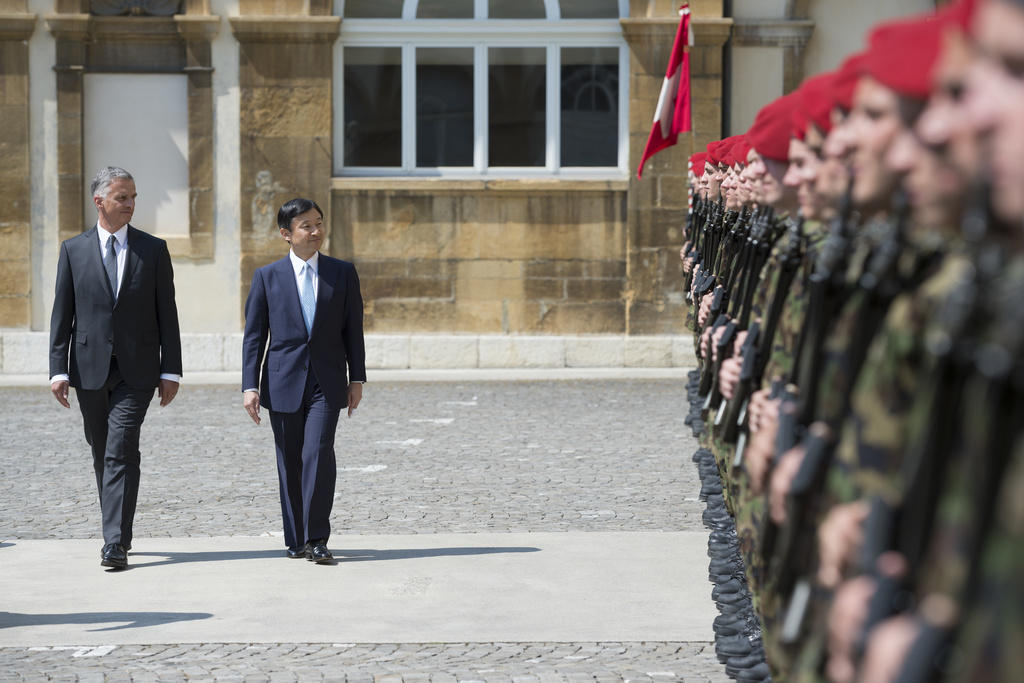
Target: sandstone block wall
x=511, y=257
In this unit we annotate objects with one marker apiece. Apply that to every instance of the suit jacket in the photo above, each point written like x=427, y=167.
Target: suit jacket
x=87, y=327
x=336, y=339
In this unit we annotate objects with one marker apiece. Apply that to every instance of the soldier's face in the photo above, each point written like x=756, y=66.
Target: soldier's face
x=802, y=175
x=933, y=187
x=995, y=102
x=729, y=191
x=944, y=125
x=874, y=123
x=742, y=184
x=714, y=181
x=834, y=174
x=775, y=193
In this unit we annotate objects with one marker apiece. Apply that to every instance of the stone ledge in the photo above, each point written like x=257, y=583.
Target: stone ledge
x=17, y=25
x=26, y=353
x=273, y=29
x=706, y=30
x=413, y=184
x=772, y=32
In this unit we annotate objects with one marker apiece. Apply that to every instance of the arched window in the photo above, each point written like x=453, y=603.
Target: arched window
x=481, y=88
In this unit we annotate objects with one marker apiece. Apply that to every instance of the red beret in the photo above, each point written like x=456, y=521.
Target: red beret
x=697, y=163
x=712, y=152
x=846, y=79
x=740, y=150
x=773, y=127
x=726, y=149
x=814, y=104
x=903, y=53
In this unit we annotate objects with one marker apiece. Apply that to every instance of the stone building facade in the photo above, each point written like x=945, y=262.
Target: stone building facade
x=490, y=217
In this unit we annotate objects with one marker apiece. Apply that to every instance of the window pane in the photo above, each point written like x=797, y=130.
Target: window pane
x=590, y=9
x=516, y=9
x=445, y=9
x=590, y=106
x=516, y=96
x=373, y=9
x=444, y=106
x=373, y=106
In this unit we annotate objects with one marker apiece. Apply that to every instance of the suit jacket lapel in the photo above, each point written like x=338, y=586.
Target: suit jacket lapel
x=94, y=257
x=131, y=261
x=328, y=276
x=291, y=290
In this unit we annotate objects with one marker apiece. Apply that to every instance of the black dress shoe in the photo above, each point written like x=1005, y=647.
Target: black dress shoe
x=297, y=553
x=316, y=551
x=114, y=555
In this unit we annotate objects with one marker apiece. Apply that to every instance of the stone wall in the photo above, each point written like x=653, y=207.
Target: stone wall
x=513, y=257
x=657, y=203
x=285, y=72
x=16, y=25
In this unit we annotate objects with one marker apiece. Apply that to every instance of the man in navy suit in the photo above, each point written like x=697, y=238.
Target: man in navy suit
x=309, y=306
x=114, y=338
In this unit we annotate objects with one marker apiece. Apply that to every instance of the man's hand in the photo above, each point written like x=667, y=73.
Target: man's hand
x=60, y=392
x=355, y=395
x=167, y=390
x=781, y=480
x=840, y=537
x=729, y=376
x=759, y=454
x=845, y=623
x=888, y=647
x=251, y=403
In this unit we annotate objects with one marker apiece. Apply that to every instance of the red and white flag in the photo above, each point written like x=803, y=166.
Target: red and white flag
x=672, y=116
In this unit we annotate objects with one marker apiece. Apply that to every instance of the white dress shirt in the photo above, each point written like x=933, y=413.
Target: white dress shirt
x=300, y=278
x=121, y=252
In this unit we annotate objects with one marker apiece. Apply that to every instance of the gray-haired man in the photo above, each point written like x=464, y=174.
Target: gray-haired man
x=114, y=338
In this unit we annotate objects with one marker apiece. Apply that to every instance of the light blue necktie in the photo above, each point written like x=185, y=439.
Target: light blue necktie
x=307, y=298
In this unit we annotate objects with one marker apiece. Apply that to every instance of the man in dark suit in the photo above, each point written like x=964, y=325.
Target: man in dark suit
x=114, y=338
x=309, y=306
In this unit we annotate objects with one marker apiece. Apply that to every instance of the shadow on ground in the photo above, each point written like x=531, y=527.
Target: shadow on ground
x=346, y=555
x=124, y=619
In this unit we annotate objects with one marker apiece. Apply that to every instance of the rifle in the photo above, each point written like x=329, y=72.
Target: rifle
x=763, y=235
x=730, y=255
x=826, y=294
x=758, y=344
x=964, y=365
x=880, y=284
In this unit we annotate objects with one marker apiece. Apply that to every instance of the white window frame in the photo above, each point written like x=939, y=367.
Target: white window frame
x=480, y=34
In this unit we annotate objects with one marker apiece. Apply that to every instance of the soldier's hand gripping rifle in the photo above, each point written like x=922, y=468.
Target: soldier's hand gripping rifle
x=826, y=295
x=696, y=221
x=963, y=364
x=793, y=558
x=705, y=278
x=731, y=252
x=762, y=238
x=758, y=344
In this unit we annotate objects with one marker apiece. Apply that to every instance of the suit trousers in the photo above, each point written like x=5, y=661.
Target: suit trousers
x=113, y=416
x=306, y=466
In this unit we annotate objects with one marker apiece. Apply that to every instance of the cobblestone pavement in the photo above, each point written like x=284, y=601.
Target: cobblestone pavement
x=389, y=663
x=418, y=458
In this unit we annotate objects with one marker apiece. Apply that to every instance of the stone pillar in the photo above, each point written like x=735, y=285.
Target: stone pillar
x=657, y=204
x=285, y=82
x=16, y=26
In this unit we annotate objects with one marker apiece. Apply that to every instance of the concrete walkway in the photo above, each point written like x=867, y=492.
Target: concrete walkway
x=561, y=587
